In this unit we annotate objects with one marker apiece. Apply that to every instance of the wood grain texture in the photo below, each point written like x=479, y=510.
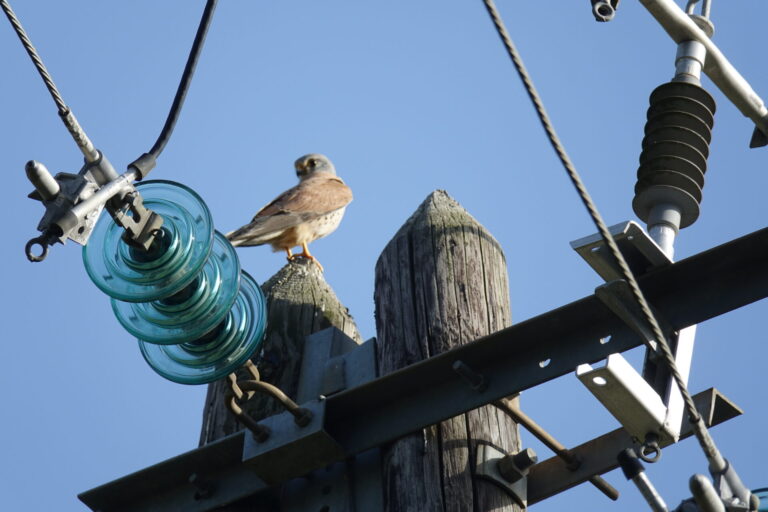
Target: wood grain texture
x=299, y=303
x=441, y=282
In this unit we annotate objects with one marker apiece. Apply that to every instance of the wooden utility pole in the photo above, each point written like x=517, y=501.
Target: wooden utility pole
x=299, y=303
x=441, y=282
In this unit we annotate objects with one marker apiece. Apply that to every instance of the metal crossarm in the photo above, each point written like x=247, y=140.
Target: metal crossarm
x=690, y=291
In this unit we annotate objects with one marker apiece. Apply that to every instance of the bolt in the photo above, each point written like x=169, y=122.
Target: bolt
x=204, y=489
x=476, y=380
x=302, y=417
x=514, y=467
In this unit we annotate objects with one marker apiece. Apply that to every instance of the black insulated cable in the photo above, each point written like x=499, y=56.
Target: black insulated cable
x=147, y=161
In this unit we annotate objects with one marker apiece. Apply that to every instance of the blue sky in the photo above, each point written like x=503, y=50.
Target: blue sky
x=405, y=98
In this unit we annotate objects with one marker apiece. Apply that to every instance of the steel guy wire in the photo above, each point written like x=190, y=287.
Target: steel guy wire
x=36, y=60
x=702, y=434
x=67, y=117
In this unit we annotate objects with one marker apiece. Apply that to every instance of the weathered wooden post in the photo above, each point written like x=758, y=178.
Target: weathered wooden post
x=299, y=303
x=441, y=282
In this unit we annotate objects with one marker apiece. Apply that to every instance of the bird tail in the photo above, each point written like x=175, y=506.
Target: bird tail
x=258, y=232
x=231, y=236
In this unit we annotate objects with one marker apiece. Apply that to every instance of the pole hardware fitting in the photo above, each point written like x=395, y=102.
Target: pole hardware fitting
x=725, y=492
x=204, y=489
x=514, y=467
x=650, y=451
x=476, y=381
x=244, y=390
x=629, y=399
x=635, y=472
x=509, y=472
x=682, y=26
x=143, y=165
x=572, y=462
x=74, y=202
x=604, y=10
x=141, y=224
x=617, y=296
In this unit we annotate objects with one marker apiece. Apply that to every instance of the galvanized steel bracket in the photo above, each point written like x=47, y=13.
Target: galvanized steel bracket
x=290, y=449
x=487, y=467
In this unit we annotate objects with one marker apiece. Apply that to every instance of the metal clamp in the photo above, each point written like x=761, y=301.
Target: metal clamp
x=509, y=472
x=73, y=204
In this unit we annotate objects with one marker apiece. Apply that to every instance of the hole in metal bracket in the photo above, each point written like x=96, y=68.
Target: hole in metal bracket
x=544, y=363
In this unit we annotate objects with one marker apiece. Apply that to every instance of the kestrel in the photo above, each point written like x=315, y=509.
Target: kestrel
x=310, y=210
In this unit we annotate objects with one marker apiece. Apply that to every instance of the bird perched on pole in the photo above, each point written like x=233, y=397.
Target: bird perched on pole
x=310, y=210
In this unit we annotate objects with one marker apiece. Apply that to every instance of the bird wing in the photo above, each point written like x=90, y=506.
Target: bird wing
x=312, y=198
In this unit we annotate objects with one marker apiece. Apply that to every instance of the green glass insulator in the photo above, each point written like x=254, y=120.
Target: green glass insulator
x=222, y=350
x=173, y=262
x=192, y=311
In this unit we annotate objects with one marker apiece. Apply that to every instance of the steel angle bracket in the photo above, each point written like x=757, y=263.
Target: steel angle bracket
x=219, y=479
x=333, y=362
x=642, y=407
x=628, y=397
x=639, y=250
x=617, y=296
x=598, y=456
x=291, y=451
x=642, y=255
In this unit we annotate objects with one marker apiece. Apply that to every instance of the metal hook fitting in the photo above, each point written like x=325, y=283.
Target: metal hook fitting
x=245, y=389
x=42, y=242
x=604, y=10
x=650, y=451
x=301, y=416
x=260, y=432
x=706, y=7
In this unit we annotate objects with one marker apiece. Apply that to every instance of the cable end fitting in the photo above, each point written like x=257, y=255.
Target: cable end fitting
x=759, y=138
x=604, y=10
x=143, y=165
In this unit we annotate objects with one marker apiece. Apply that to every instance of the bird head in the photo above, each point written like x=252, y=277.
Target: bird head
x=309, y=164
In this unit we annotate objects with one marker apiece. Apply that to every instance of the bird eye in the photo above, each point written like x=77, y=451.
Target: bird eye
x=312, y=162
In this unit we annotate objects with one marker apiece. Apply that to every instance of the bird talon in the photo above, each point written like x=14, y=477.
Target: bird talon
x=310, y=258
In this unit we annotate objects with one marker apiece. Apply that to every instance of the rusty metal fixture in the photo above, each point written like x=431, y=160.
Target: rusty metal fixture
x=573, y=462
x=515, y=466
x=244, y=390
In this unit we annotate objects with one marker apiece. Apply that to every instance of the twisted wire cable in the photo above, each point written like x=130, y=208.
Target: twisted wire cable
x=705, y=440
x=67, y=117
x=36, y=60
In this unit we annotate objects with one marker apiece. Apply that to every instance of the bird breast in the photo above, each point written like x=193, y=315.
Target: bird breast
x=325, y=225
x=308, y=231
